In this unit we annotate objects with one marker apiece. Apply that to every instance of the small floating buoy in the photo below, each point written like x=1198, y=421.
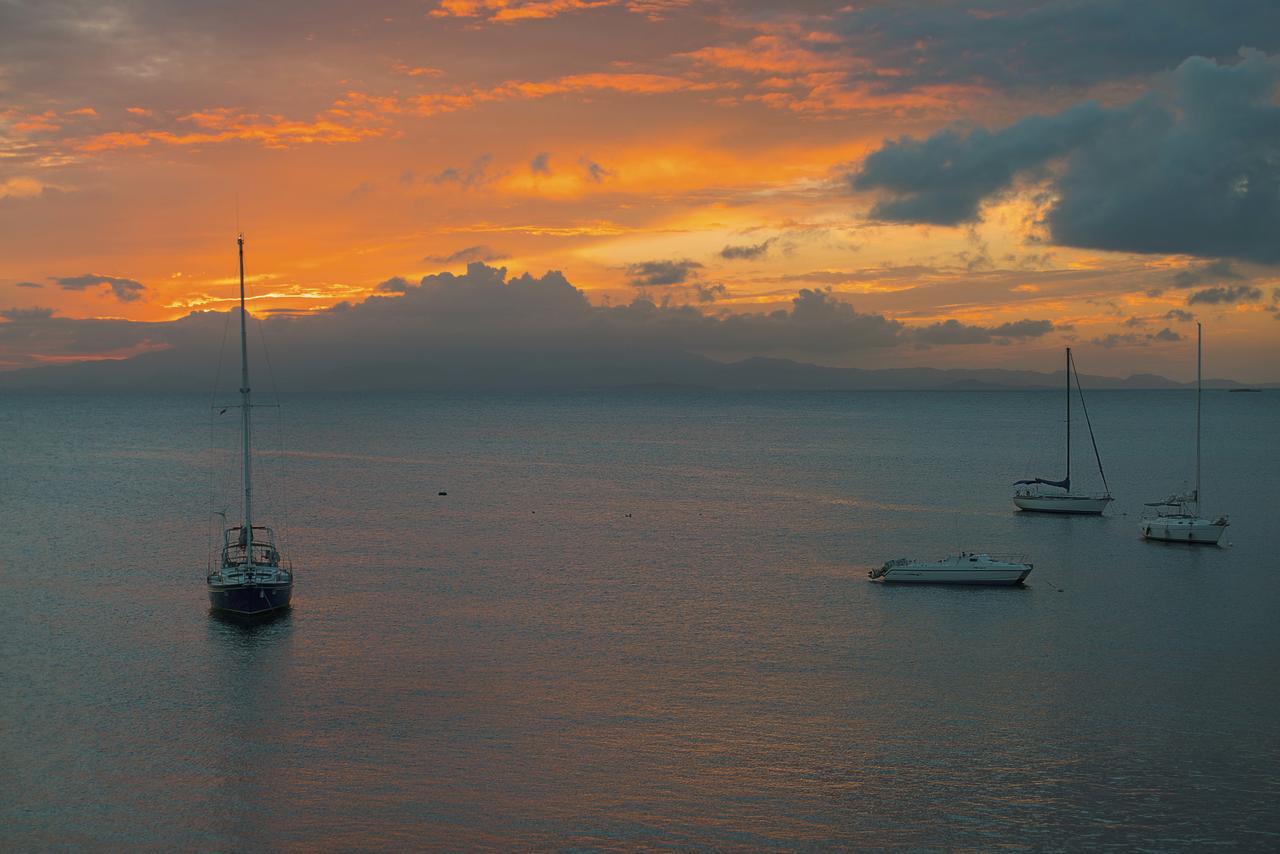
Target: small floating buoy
x=442, y=493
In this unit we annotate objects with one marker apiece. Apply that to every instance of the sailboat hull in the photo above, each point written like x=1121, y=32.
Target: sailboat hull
x=1077, y=505
x=1182, y=529
x=250, y=599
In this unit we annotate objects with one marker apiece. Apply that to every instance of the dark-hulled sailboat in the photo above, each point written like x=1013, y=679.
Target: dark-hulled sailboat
x=252, y=578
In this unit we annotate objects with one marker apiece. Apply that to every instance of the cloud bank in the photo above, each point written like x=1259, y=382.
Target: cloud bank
x=486, y=329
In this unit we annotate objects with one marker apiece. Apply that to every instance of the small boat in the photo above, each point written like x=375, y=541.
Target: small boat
x=963, y=568
x=1178, y=518
x=1034, y=499
x=251, y=579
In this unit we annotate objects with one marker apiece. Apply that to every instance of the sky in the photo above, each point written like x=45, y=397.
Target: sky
x=886, y=184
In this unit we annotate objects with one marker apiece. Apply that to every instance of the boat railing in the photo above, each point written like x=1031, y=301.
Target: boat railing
x=1003, y=557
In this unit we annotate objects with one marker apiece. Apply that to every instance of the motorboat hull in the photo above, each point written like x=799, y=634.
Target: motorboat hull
x=250, y=598
x=941, y=575
x=965, y=568
x=1075, y=505
x=1182, y=529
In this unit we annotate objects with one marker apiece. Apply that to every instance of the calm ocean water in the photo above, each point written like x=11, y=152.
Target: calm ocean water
x=636, y=620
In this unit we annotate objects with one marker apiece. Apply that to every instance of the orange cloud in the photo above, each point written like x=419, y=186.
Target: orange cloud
x=224, y=124
x=629, y=83
x=506, y=11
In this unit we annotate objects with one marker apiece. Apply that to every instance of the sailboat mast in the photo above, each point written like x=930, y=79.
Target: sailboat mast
x=1198, y=382
x=247, y=531
x=1066, y=370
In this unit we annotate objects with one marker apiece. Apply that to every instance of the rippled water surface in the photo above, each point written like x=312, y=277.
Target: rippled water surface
x=636, y=620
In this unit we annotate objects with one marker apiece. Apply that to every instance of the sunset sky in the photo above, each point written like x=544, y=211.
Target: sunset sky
x=949, y=184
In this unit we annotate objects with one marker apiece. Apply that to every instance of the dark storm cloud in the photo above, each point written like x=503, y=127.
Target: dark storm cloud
x=479, y=252
x=749, y=252
x=661, y=272
x=943, y=179
x=1225, y=294
x=125, y=290
x=1198, y=275
x=1196, y=172
x=541, y=164
x=1050, y=43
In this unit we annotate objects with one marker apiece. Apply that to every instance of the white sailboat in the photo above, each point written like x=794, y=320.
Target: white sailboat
x=1178, y=518
x=252, y=578
x=1034, y=499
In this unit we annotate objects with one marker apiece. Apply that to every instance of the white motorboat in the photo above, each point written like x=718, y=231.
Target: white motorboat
x=1031, y=497
x=1178, y=518
x=962, y=568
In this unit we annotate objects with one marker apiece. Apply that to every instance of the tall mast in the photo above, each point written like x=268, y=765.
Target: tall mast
x=1198, y=381
x=247, y=531
x=1067, y=373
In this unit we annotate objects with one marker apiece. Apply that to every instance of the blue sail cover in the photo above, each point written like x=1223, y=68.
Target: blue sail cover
x=1061, y=484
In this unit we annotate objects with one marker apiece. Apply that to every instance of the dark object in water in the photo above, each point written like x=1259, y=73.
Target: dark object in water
x=442, y=493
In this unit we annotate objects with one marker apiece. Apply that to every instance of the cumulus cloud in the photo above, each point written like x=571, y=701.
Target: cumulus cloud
x=395, y=285
x=125, y=290
x=479, y=252
x=541, y=164
x=1179, y=314
x=748, y=252
x=647, y=273
x=1225, y=294
x=1195, y=170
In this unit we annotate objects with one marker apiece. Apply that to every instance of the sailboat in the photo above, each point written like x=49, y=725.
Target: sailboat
x=252, y=578
x=1036, y=500
x=1178, y=518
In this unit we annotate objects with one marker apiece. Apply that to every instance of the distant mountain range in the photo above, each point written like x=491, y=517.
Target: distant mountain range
x=557, y=369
